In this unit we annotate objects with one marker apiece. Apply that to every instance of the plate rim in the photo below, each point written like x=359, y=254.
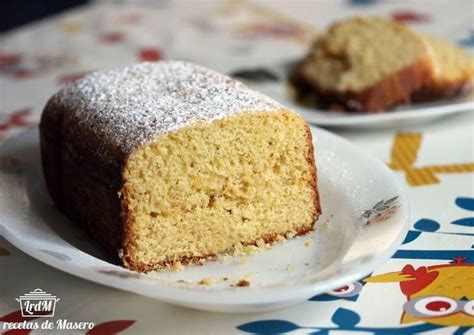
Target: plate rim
x=358, y=120
x=409, y=112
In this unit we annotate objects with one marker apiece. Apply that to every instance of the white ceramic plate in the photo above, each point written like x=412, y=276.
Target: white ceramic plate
x=401, y=116
x=346, y=246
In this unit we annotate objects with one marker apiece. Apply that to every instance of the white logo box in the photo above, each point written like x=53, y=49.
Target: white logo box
x=37, y=303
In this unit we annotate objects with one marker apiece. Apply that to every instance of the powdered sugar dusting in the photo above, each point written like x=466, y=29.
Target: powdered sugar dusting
x=133, y=105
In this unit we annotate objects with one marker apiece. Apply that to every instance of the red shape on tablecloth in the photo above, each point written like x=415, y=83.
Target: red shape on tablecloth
x=150, y=54
x=15, y=120
x=459, y=259
x=112, y=37
x=70, y=77
x=9, y=59
x=421, y=279
x=110, y=327
x=10, y=64
x=15, y=317
x=17, y=332
x=23, y=73
x=410, y=17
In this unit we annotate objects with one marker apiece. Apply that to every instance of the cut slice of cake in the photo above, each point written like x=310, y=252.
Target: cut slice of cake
x=366, y=64
x=456, y=71
x=166, y=163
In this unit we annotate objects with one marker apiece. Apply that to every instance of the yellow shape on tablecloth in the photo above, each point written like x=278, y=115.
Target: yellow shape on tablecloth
x=390, y=277
x=403, y=156
x=70, y=27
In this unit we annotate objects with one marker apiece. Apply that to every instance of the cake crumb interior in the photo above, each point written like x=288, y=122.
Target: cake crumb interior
x=208, y=188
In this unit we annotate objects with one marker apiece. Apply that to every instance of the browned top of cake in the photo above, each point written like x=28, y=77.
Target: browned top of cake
x=129, y=106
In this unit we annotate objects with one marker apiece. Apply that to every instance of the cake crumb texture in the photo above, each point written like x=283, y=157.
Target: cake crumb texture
x=211, y=189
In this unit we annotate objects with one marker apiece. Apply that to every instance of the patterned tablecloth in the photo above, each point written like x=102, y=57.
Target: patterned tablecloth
x=435, y=160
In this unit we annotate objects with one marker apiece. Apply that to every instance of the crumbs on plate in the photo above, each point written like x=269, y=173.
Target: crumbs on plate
x=206, y=281
x=177, y=266
x=326, y=224
x=244, y=260
x=242, y=283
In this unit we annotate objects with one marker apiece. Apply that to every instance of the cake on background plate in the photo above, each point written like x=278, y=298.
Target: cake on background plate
x=456, y=71
x=370, y=64
x=365, y=64
x=168, y=162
